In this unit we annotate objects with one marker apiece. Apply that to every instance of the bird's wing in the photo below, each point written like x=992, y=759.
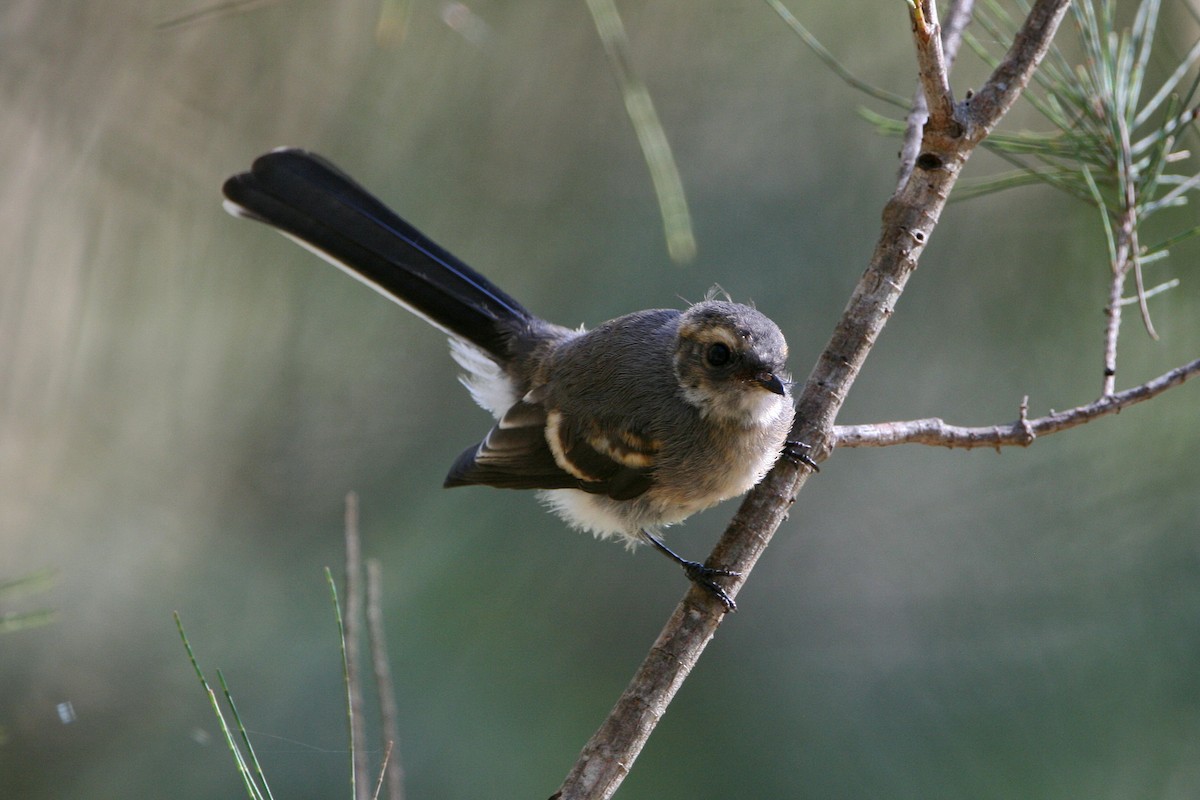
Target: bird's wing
x=532, y=448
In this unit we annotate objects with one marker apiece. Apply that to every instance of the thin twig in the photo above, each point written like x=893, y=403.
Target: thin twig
x=383, y=770
x=957, y=19
x=1124, y=259
x=346, y=679
x=381, y=665
x=931, y=61
x=1021, y=433
x=1112, y=329
x=1010, y=77
x=908, y=220
x=353, y=617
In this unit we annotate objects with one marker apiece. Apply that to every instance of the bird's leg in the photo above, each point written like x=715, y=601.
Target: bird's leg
x=697, y=573
x=797, y=451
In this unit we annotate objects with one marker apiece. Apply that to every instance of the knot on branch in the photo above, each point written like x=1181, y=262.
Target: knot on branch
x=1027, y=432
x=929, y=161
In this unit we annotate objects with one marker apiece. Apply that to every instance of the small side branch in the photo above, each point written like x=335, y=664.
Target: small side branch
x=956, y=21
x=931, y=63
x=1021, y=433
x=993, y=100
x=1125, y=257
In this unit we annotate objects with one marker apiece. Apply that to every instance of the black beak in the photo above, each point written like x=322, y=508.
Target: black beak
x=769, y=381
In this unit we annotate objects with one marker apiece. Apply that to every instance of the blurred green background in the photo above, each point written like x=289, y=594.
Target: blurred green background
x=186, y=398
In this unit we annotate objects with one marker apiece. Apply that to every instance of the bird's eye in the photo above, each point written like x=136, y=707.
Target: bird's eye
x=718, y=354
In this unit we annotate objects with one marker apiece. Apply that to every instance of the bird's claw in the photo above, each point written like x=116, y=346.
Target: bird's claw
x=699, y=574
x=702, y=576
x=798, y=451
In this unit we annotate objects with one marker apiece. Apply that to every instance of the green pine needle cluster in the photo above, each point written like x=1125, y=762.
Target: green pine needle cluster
x=1113, y=140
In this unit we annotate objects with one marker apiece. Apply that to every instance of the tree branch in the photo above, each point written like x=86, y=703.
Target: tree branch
x=1021, y=433
x=908, y=220
x=931, y=61
x=956, y=22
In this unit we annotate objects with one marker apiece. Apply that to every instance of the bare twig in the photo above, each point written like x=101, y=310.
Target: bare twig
x=933, y=70
x=1011, y=75
x=1021, y=433
x=1112, y=328
x=353, y=616
x=391, y=768
x=1126, y=258
x=908, y=221
x=957, y=19
x=381, y=664
x=956, y=22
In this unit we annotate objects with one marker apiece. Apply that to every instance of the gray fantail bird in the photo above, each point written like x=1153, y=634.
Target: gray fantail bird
x=626, y=428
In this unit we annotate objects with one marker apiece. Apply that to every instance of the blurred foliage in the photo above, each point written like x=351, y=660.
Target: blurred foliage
x=15, y=587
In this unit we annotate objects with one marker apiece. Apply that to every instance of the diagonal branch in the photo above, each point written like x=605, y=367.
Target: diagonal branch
x=1021, y=433
x=908, y=220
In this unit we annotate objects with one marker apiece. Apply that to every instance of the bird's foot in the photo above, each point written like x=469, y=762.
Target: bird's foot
x=797, y=452
x=699, y=574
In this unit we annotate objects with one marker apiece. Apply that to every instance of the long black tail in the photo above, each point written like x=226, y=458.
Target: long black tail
x=321, y=207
